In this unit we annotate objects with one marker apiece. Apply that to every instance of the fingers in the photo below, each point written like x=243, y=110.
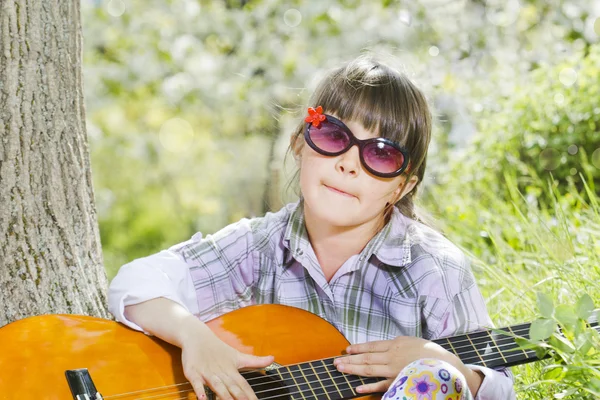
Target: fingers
x=226, y=388
x=245, y=387
x=198, y=385
x=370, y=347
x=377, y=387
x=250, y=361
x=385, y=371
x=364, y=358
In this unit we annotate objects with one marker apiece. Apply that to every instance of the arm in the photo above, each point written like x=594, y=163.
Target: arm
x=205, y=277
x=161, y=293
x=467, y=313
x=174, y=323
x=163, y=275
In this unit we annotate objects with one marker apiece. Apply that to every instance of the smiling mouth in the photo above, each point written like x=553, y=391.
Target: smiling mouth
x=339, y=191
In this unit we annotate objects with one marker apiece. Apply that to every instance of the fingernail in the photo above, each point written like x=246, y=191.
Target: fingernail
x=359, y=389
x=340, y=367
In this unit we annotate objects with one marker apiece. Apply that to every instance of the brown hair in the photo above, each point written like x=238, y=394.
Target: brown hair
x=382, y=99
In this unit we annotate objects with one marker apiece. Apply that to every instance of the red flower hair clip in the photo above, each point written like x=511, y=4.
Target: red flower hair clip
x=315, y=116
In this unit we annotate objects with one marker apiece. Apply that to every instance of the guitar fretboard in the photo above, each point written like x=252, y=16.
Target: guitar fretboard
x=321, y=380
x=490, y=349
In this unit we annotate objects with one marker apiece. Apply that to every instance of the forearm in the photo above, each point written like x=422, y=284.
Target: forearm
x=165, y=319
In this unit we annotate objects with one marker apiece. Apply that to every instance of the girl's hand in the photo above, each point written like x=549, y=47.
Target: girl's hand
x=386, y=358
x=209, y=361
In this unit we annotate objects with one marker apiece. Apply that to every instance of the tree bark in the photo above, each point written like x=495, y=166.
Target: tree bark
x=50, y=252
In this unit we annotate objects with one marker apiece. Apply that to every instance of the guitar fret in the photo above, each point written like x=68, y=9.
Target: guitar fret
x=349, y=384
x=332, y=380
x=297, y=389
x=361, y=379
x=321, y=380
x=510, y=350
x=313, y=382
x=451, y=346
x=285, y=383
x=466, y=356
x=341, y=382
x=478, y=339
x=496, y=346
x=527, y=335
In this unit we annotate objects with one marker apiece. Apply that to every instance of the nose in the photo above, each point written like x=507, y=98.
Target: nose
x=349, y=162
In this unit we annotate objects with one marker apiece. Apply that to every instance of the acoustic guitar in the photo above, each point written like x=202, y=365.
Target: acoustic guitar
x=60, y=357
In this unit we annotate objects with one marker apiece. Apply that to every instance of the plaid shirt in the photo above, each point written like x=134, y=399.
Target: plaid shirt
x=409, y=280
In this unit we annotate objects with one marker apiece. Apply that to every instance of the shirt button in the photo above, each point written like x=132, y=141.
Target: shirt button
x=299, y=252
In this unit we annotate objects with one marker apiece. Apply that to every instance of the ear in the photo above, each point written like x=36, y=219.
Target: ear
x=404, y=188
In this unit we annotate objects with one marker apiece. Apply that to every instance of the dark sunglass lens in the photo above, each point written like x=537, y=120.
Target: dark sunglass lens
x=383, y=158
x=329, y=137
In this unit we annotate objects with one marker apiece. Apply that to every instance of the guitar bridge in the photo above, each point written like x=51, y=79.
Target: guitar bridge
x=81, y=385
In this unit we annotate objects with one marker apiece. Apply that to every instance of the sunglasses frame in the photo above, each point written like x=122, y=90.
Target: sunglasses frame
x=361, y=145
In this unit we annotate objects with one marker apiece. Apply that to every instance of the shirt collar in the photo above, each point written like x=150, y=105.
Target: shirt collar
x=295, y=238
x=391, y=245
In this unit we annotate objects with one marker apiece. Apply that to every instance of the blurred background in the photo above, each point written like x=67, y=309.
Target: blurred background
x=190, y=104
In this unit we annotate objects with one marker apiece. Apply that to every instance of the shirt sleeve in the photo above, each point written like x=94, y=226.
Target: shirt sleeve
x=208, y=276
x=223, y=269
x=467, y=313
x=164, y=274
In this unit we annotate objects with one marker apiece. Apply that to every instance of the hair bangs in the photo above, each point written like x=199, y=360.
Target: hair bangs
x=373, y=95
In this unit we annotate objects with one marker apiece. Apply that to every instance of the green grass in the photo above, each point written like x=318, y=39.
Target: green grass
x=519, y=246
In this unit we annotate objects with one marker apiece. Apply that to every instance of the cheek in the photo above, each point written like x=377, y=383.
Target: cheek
x=379, y=189
x=309, y=172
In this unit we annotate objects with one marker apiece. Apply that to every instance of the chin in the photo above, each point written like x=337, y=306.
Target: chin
x=332, y=213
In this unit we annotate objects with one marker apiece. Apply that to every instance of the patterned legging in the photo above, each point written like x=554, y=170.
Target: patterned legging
x=429, y=379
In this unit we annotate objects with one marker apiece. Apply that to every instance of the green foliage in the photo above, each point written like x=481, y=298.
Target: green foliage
x=545, y=257
x=574, y=351
x=550, y=124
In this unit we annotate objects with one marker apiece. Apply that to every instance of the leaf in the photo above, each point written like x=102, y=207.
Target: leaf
x=583, y=343
x=561, y=344
x=565, y=315
x=545, y=305
x=542, y=329
x=555, y=373
x=585, y=307
x=540, y=352
x=526, y=344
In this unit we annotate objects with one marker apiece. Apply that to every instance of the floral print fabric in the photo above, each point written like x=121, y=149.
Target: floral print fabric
x=428, y=379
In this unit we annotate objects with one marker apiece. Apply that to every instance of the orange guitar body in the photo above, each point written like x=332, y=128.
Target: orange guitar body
x=35, y=352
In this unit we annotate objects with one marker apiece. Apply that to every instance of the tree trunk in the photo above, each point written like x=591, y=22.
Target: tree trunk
x=50, y=253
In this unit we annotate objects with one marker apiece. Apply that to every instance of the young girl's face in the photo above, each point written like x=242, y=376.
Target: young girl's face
x=339, y=191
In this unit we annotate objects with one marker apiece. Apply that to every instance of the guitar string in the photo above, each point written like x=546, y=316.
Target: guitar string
x=308, y=383
x=347, y=382
x=310, y=396
x=516, y=332
x=334, y=370
x=307, y=397
x=268, y=380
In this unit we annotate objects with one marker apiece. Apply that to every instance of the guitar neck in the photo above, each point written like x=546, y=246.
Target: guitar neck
x=493, y=348
x=320, y=379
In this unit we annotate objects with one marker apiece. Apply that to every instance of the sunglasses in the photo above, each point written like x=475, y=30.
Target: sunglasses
x=329, y=136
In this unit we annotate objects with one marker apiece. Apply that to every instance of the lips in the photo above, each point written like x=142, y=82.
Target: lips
x=338, y=191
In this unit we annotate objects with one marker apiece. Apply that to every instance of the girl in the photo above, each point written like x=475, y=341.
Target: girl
x=351, y=250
